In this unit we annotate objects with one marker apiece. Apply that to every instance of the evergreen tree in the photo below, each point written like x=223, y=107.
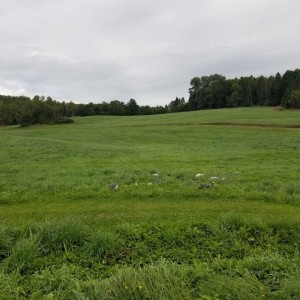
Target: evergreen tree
x=132, y=108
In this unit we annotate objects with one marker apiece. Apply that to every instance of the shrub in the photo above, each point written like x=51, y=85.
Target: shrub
x=291, y=99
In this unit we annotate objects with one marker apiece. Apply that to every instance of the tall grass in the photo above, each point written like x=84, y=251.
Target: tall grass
x=22, y=255
x=161, y=281
x=6, y=241
x=101, y=243
x=235, y=257
x=67, y=234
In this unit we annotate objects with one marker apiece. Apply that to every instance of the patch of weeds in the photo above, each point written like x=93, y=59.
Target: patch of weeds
x=129, y=178
x=292, y=194
x=10, y=285
x=219, y=286
x=292, y=189
x=154, y=172
x=179, y=175
x=22, y=255
x=52, y=282
x=66, y=234
x=6, y=242
x=289, y=289
x=101, y=244
x=159, y=281
x=108, y=172
x=293, y=199
x=235, y=221
x=268, y=186
x=270, y=268
x=287, y=234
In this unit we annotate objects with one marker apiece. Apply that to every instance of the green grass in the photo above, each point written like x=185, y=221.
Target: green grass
x=64, y=234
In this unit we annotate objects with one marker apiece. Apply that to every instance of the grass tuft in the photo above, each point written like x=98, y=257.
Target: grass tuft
x=22, y=255
x=66, y=234
x=6, y=242
x=101, y=244
x=160, y=281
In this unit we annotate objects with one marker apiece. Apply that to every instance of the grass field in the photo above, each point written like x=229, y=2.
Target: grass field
x=65, y=235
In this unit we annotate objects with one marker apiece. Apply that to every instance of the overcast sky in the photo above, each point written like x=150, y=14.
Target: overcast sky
x=103, y=50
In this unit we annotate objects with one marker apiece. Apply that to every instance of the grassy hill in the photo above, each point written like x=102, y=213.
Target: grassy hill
x=158, y=234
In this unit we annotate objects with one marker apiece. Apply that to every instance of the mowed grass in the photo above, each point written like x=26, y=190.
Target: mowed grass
x=158, y=236
x=72, y=165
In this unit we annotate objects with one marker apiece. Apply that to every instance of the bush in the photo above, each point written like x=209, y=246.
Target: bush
x=291, y=99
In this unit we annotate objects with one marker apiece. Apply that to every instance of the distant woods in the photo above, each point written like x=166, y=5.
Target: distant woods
x=216, y=91
x=206, y=92
x=24, y=111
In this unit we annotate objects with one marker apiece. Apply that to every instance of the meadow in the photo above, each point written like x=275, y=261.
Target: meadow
x=65, y=235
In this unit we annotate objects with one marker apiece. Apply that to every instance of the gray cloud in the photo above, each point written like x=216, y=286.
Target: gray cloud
x=148, y=50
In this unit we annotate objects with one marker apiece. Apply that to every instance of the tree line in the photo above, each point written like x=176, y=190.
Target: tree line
x=206, y=92
x=23, y=111
x=215, y=91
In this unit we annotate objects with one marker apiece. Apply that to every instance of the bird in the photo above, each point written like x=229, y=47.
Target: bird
x=206, y=185
x=113, y=186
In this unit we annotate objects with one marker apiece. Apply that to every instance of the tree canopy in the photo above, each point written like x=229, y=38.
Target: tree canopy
x=215, y=91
